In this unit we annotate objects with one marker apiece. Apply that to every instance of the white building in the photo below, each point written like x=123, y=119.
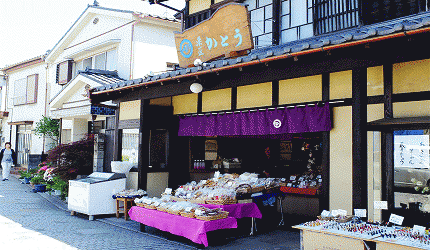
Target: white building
x=107, y=41
x=25, y=103
x=103, y=46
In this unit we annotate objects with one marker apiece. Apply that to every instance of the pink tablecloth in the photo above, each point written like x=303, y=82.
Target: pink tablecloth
x=239, y=211
x=192, y=229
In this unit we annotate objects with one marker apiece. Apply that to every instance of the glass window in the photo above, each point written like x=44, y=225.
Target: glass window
x=411, y=169
x=130, y=146
x=87, y=63
x=100, y=61
x=111, y=60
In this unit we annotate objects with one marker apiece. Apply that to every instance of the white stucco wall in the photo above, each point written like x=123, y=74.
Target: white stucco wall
x=153, y=46
x=26, y=112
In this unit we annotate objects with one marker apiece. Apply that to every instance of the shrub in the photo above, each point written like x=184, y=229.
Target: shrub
x=72, y=159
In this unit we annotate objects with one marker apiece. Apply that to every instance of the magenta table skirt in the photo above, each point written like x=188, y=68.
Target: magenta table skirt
x=239, y=211
x=192, y=229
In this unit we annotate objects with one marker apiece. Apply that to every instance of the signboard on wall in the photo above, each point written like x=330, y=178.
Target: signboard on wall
x=227, y=30
x=411, y=151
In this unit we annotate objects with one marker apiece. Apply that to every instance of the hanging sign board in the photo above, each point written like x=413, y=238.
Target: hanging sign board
x=227, y=31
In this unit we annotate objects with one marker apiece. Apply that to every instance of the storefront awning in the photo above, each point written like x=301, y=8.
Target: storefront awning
x=280, y=120
x=388, y=124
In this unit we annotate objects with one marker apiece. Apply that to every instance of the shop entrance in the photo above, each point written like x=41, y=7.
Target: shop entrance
x=164, y=156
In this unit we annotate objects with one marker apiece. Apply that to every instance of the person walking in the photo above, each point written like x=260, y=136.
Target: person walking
x=7, y=159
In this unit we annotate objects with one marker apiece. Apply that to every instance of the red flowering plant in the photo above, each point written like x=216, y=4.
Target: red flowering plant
x=72, y=159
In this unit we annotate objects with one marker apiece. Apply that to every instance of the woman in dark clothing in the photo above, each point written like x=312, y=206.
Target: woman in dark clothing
x=7, y=159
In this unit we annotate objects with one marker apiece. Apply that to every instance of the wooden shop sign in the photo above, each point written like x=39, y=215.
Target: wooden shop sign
x=227, y=31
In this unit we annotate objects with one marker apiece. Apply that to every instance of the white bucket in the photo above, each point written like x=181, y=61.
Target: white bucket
x=121, y=166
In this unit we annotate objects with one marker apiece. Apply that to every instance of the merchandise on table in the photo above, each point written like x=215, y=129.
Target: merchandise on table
x=183, y=208
x=371, y=231
x=224, y=188
x=129, y=193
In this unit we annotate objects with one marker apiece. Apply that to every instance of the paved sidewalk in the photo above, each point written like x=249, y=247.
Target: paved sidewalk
x=42, y=221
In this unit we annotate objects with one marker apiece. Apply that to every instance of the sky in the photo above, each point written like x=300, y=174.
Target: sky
x=28, y=28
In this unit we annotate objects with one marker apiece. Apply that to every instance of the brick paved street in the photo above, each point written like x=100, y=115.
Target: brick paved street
x=40, y=221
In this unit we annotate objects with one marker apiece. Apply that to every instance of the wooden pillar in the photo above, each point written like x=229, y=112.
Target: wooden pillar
x=143, y=161
x=199, y=102
x=233, y=98
x=275, y=93
x=387, y=144
x=324, y=202
x=276, y=15
x=359, y=138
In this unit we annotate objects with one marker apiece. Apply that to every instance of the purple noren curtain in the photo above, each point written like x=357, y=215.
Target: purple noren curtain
x=267, y=122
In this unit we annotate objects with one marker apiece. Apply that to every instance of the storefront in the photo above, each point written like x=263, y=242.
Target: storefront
x=357, y=74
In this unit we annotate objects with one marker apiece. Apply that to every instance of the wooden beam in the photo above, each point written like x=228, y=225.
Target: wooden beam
x=275, y=93
x=324, y=202
x=359, y=138
x=387, y=144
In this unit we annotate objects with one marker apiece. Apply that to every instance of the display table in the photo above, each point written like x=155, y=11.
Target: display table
x=239, y=211
x=190, y=228
x=319, y=239
x=311, y=238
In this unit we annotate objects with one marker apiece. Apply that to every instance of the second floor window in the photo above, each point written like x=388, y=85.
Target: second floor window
x=25, y=90
x=104, y=61
x=261, y=21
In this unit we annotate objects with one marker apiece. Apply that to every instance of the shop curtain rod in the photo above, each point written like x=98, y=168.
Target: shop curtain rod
x=263, y=109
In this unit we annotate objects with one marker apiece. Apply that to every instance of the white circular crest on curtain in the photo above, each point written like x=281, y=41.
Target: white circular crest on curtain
x=277, y=123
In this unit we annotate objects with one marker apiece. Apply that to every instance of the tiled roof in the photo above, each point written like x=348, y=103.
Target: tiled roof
x=382, y=29
x=103, y=77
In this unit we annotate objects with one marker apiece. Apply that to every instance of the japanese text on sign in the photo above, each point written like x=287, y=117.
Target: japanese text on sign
x=411, y=151
x=227, y=30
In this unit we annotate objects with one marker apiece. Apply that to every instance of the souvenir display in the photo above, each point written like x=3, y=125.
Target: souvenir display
x=224, y=188
x=373, y=231
x=129, y=193
x=183, y=208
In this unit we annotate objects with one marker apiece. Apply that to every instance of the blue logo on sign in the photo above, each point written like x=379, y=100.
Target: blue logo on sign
x=186, y=48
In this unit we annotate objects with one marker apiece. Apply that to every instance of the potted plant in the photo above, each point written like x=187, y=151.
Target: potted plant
x=38, y=183
x=25, y=176
x=59, y=186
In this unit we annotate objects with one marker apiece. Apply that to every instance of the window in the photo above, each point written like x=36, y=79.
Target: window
x=379, y=10
x=64, y=72
x=296, y=20
x=130, y=146
x=332, y=15
x=104, y=61
x=25, y=90
x=411, y=169
x=261, y=21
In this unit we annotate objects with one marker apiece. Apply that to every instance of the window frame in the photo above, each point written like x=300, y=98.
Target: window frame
x=27, y=90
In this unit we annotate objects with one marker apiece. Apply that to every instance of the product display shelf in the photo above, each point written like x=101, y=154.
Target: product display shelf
x=318, y=237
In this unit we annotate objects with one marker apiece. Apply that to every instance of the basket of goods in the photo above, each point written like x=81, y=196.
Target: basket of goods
x=175, y=209
x=343, y=218
x=222, y=200
x=189, y=211
x=221, y=196
x=164, y=206
x=243, y=191
x=210, y=214
x=129, y=193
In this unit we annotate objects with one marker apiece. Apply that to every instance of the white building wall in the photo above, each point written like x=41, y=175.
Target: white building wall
x=79, y=128
x=153, y=47
x=26, y=112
